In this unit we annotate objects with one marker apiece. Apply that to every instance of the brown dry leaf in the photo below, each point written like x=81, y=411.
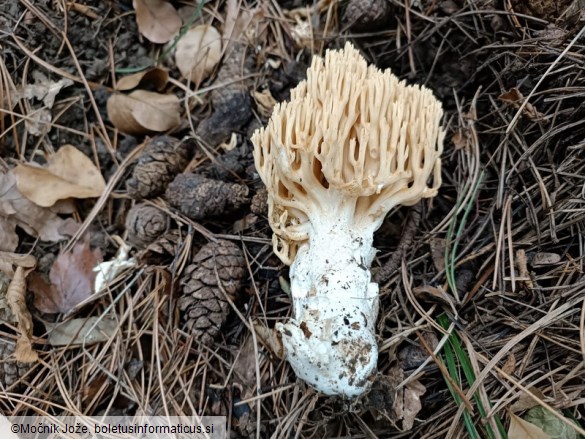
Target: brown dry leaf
x=142, y=112
x=16, y=210
x=16, y=299
x=64, y=207
x=245, y=369
x=245, y=223
x=512, y=96
x=510, y=365
x=8, y=236
x=526, y=401
x=157, y=20
x=83, y=331
x=72, y=278
x=544, y=259
x=38, y=123
x=515, y=97
x=522, y=264
x=461, y=140
x=412, y=405
x=265, y=102
x=69, y=174
x=438, y=246
x=155, y=77
x=434, y=294
x=407, y=399
x=521, y=429
x=43, y=89
x=198, y=52
x=9, y=259
x=271, y=339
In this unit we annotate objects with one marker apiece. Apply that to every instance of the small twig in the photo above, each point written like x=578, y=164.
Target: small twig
x=392, y=264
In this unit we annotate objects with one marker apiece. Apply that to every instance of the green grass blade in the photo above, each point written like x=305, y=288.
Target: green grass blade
x=455, y=353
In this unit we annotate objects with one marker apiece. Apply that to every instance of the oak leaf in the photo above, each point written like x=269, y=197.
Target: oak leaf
x=69, y=174
x=198, y=52
x=156, y=78
x=141, y=112
x=157, y=20
x=17, y=210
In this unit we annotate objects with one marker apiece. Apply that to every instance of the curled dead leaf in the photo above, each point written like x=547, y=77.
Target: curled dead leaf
x=8, y=260
x=412, y=404
x=43, y=89
x=69, y=174
x=515, y=97
x=271, y=339
x=142, y=112
x=407, y=403
x=156, y=78
x=265, y=102
x=16, y=210
x=434, y=294
x=8, y=235
x=198, y=52
x=158, y=21
x=16, y=299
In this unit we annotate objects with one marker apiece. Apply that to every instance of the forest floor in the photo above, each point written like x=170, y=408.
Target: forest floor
x=120, y=142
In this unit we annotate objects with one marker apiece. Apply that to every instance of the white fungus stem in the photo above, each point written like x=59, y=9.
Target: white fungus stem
x=330, y=341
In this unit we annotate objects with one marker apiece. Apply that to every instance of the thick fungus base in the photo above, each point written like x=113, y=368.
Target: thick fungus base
x=330, y=341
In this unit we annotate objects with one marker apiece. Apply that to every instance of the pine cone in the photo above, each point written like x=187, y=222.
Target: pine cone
x=10, y=369
x=160, y=162
x=165, y=247
x=198, y=197
x=259, y=204
x=232, y=104
x=145, y=223
x=366, y=14
x=203, y=303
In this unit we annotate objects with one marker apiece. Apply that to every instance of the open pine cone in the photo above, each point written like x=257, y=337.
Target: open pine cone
x=10, y=369
x=146, y=223
x=162, y=159
x=217, y=266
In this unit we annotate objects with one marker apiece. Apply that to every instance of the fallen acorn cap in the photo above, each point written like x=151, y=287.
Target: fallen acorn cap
x=352, y=143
